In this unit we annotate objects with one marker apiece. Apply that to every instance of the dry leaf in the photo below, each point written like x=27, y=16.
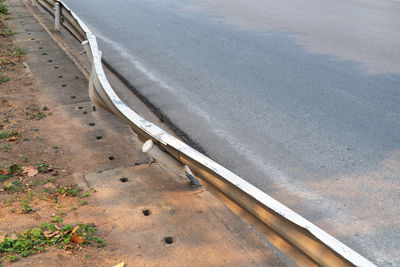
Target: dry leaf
x=29, y=170
x=122, y=264
x=76, y=238
x=4, y=172
x=12, y=138
x=7, y=185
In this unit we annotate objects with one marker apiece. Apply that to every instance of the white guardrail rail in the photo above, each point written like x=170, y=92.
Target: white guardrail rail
x=303, y=242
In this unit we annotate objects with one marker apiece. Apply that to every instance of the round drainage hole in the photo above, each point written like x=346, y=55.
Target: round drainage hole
x=169, y=240
x=33, y=39
x=124, y=179
x=73, y=97
x=29, y=33
x=60, y=76
x=99, y=137
x=40, y=47
x=146, y=212
x=80, y=107
x=37, y=42
x=55, y=67
x=85, y=112
x=77, y=77
x=64, y=85
x=92, y=124
x=50, y=60
x=43, y=54
x=111, y=158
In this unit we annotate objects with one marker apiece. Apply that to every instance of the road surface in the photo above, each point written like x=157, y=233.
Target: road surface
x=300, y=98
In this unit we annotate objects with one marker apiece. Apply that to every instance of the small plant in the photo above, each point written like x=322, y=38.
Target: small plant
x=55, y=147
x=35, y=240
x=73, y=207
x=86, y=194
x=68, y=191
x=42, y=167
x=37, y=116
x=57, y=219
x=25, y=159
x=4, y=79
x=82, y=203
x=26, y=208
x=4, y=9
x=20, y=52
x=6, y=148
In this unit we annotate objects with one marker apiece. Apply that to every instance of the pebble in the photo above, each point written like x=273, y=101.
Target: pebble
x=46, y=108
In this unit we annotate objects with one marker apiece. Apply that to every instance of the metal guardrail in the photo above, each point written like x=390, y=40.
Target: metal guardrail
x=299, y=239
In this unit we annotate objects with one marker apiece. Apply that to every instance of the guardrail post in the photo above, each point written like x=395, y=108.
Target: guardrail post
x=33, y=2
x=57, y=16
x=169, y=162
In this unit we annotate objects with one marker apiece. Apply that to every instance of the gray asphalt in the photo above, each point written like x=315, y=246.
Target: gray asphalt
x=300, y=98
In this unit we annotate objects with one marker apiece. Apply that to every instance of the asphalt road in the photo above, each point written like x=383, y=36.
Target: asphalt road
x=300, y=98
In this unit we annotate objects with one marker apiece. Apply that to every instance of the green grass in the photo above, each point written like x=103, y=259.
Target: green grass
x=7, y=148
x=36, y=240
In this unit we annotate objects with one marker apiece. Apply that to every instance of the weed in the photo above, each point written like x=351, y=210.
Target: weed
x=35, y=240
x=57, y=219
x=26, y=208
x=25, y=159
x=6, y=148
x=86, y=194
x=20, y=52
x=55, y=147
x=82, y=202
x=7, y=32
x=5, y=135
x=4, y=79
x=42, y=167
x=68, y=191
x=4, y=9
x=73, y=207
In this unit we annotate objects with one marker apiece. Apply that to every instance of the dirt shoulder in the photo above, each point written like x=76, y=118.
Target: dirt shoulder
x=75, y=188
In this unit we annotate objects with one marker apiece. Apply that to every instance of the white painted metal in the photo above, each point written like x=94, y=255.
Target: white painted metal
x=57, y=16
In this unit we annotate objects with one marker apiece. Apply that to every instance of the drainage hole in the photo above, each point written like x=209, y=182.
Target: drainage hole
x=99, y=137
x=63, y=85
x=85, y=112
x=37, y=42
x=43, y=54
x=77, y=77
x=146, y=212
x=169, y=240
x=92, y=124
x=60, y=76
x=124, y=179
x=40, y=47
x=111, y=158
x=32, y=39
x=55, y=67
x=80, y=107
x=73, y=97
x=50, y=60
x=29, y=33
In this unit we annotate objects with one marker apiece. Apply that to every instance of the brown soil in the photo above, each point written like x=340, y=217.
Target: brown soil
x=23, y=113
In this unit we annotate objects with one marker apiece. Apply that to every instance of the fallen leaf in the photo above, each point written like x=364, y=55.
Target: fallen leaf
x=29, y=170
x=12, y=138
x=4, y=172
x=122, y=264
x=76, y=238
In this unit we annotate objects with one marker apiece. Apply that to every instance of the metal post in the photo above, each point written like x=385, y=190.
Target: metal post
x=57, y=16
x=154, y=152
